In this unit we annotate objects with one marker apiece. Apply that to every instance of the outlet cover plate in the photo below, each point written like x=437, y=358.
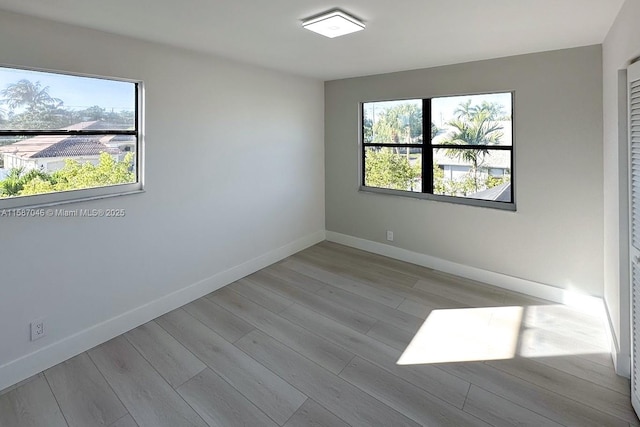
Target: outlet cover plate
x=37, y=329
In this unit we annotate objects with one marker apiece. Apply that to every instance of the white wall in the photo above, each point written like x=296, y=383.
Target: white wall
x=555, y=237
x=620, y=47
x=234, y=180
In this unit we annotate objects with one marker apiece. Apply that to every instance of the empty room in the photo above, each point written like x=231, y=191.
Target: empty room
x=239, y=213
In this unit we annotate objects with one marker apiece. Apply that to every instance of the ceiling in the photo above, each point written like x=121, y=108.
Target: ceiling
x=400, y=35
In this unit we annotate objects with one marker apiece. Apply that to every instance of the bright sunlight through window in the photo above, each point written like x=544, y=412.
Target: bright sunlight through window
x=465, y=334
x=498, y=333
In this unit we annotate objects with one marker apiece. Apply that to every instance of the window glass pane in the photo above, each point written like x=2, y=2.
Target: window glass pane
x=473, y=173
x=34, y=163
x=71, y=163
x=394, y=168
x=472, y=120
x=392, y=122
x=34, y=100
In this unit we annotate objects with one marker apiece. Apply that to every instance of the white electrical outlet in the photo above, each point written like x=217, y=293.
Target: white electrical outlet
x=37, y=329
x=390, y=236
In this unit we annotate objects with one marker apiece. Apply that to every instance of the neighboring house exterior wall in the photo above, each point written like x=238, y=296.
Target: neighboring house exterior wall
x=48, y=164
x=496, y=165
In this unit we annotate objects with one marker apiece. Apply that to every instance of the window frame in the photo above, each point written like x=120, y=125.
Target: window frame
x=427, y=149
x=87, y=194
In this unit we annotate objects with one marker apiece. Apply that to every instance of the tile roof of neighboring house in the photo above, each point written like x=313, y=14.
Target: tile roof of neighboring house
x=75, y=146
x=44, y=146
x=499, y=193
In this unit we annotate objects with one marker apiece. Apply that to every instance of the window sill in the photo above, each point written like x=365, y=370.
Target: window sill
x=69, y=197
x=447, y=199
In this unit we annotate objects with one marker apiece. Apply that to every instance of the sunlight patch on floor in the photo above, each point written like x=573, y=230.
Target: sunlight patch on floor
x=498, y=333
x=465, y=334
x=557, y=330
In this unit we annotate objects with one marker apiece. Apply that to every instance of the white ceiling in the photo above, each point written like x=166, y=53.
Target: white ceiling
x=400, y=35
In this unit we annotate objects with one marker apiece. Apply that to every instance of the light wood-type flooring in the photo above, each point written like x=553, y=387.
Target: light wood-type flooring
x=333, y=336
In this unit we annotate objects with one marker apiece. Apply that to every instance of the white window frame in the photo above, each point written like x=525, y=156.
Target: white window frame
x=80, y=195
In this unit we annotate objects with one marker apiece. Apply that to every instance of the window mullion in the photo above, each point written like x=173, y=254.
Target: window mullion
x=427, y=151
x=363, y=154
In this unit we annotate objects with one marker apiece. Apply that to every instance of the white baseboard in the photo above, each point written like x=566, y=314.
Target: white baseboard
x=587, y=303
x=46, y=357
x=621, y=361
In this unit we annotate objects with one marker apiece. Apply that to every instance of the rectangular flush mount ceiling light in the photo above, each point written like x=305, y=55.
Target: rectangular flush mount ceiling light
x=333, y=24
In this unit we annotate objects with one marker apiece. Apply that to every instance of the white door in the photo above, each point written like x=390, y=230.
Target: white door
x=633, y=88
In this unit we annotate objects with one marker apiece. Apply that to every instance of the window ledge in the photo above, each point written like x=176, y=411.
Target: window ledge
x=448, y=199
x=57, y=199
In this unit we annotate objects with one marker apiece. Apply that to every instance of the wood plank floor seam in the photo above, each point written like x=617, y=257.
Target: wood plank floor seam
x=126, y=421
x=180, y=385
x=223, y=379
x=515, y=399
x=335, y=336
x=466, y=396
x=107, y=382
x=373, y=360
x=243, y=393
x=154, y=368
x=488, y=392
x=563, y=372
x=56, y=399
x=568, y=396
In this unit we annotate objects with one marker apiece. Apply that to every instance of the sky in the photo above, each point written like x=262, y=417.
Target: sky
x=77, y=93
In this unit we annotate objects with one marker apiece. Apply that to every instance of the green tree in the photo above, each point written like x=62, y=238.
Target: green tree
x=386, y=169
x=38, y=186
x=92, y=113
x=438, y=180
x=27, y=94
x=451, y=187
x=492, y=181
x=122, y=117
x=41, y=117
x=367, y=129
x=399, y=124
x=477, y=126
x=73, y=176
x=41, y=110
x=462, y=186
x=435, y=130
x=17, y=179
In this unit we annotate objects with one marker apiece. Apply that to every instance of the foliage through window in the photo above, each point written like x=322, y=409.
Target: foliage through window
x=467, y=152
x=60, y=132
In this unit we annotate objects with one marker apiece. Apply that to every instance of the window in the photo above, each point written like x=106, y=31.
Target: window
x=457, y=148
x=66, y=137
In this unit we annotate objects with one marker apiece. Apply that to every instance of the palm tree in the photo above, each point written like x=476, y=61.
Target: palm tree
x=399, y=124
x=477, y=126
x=29, y=94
